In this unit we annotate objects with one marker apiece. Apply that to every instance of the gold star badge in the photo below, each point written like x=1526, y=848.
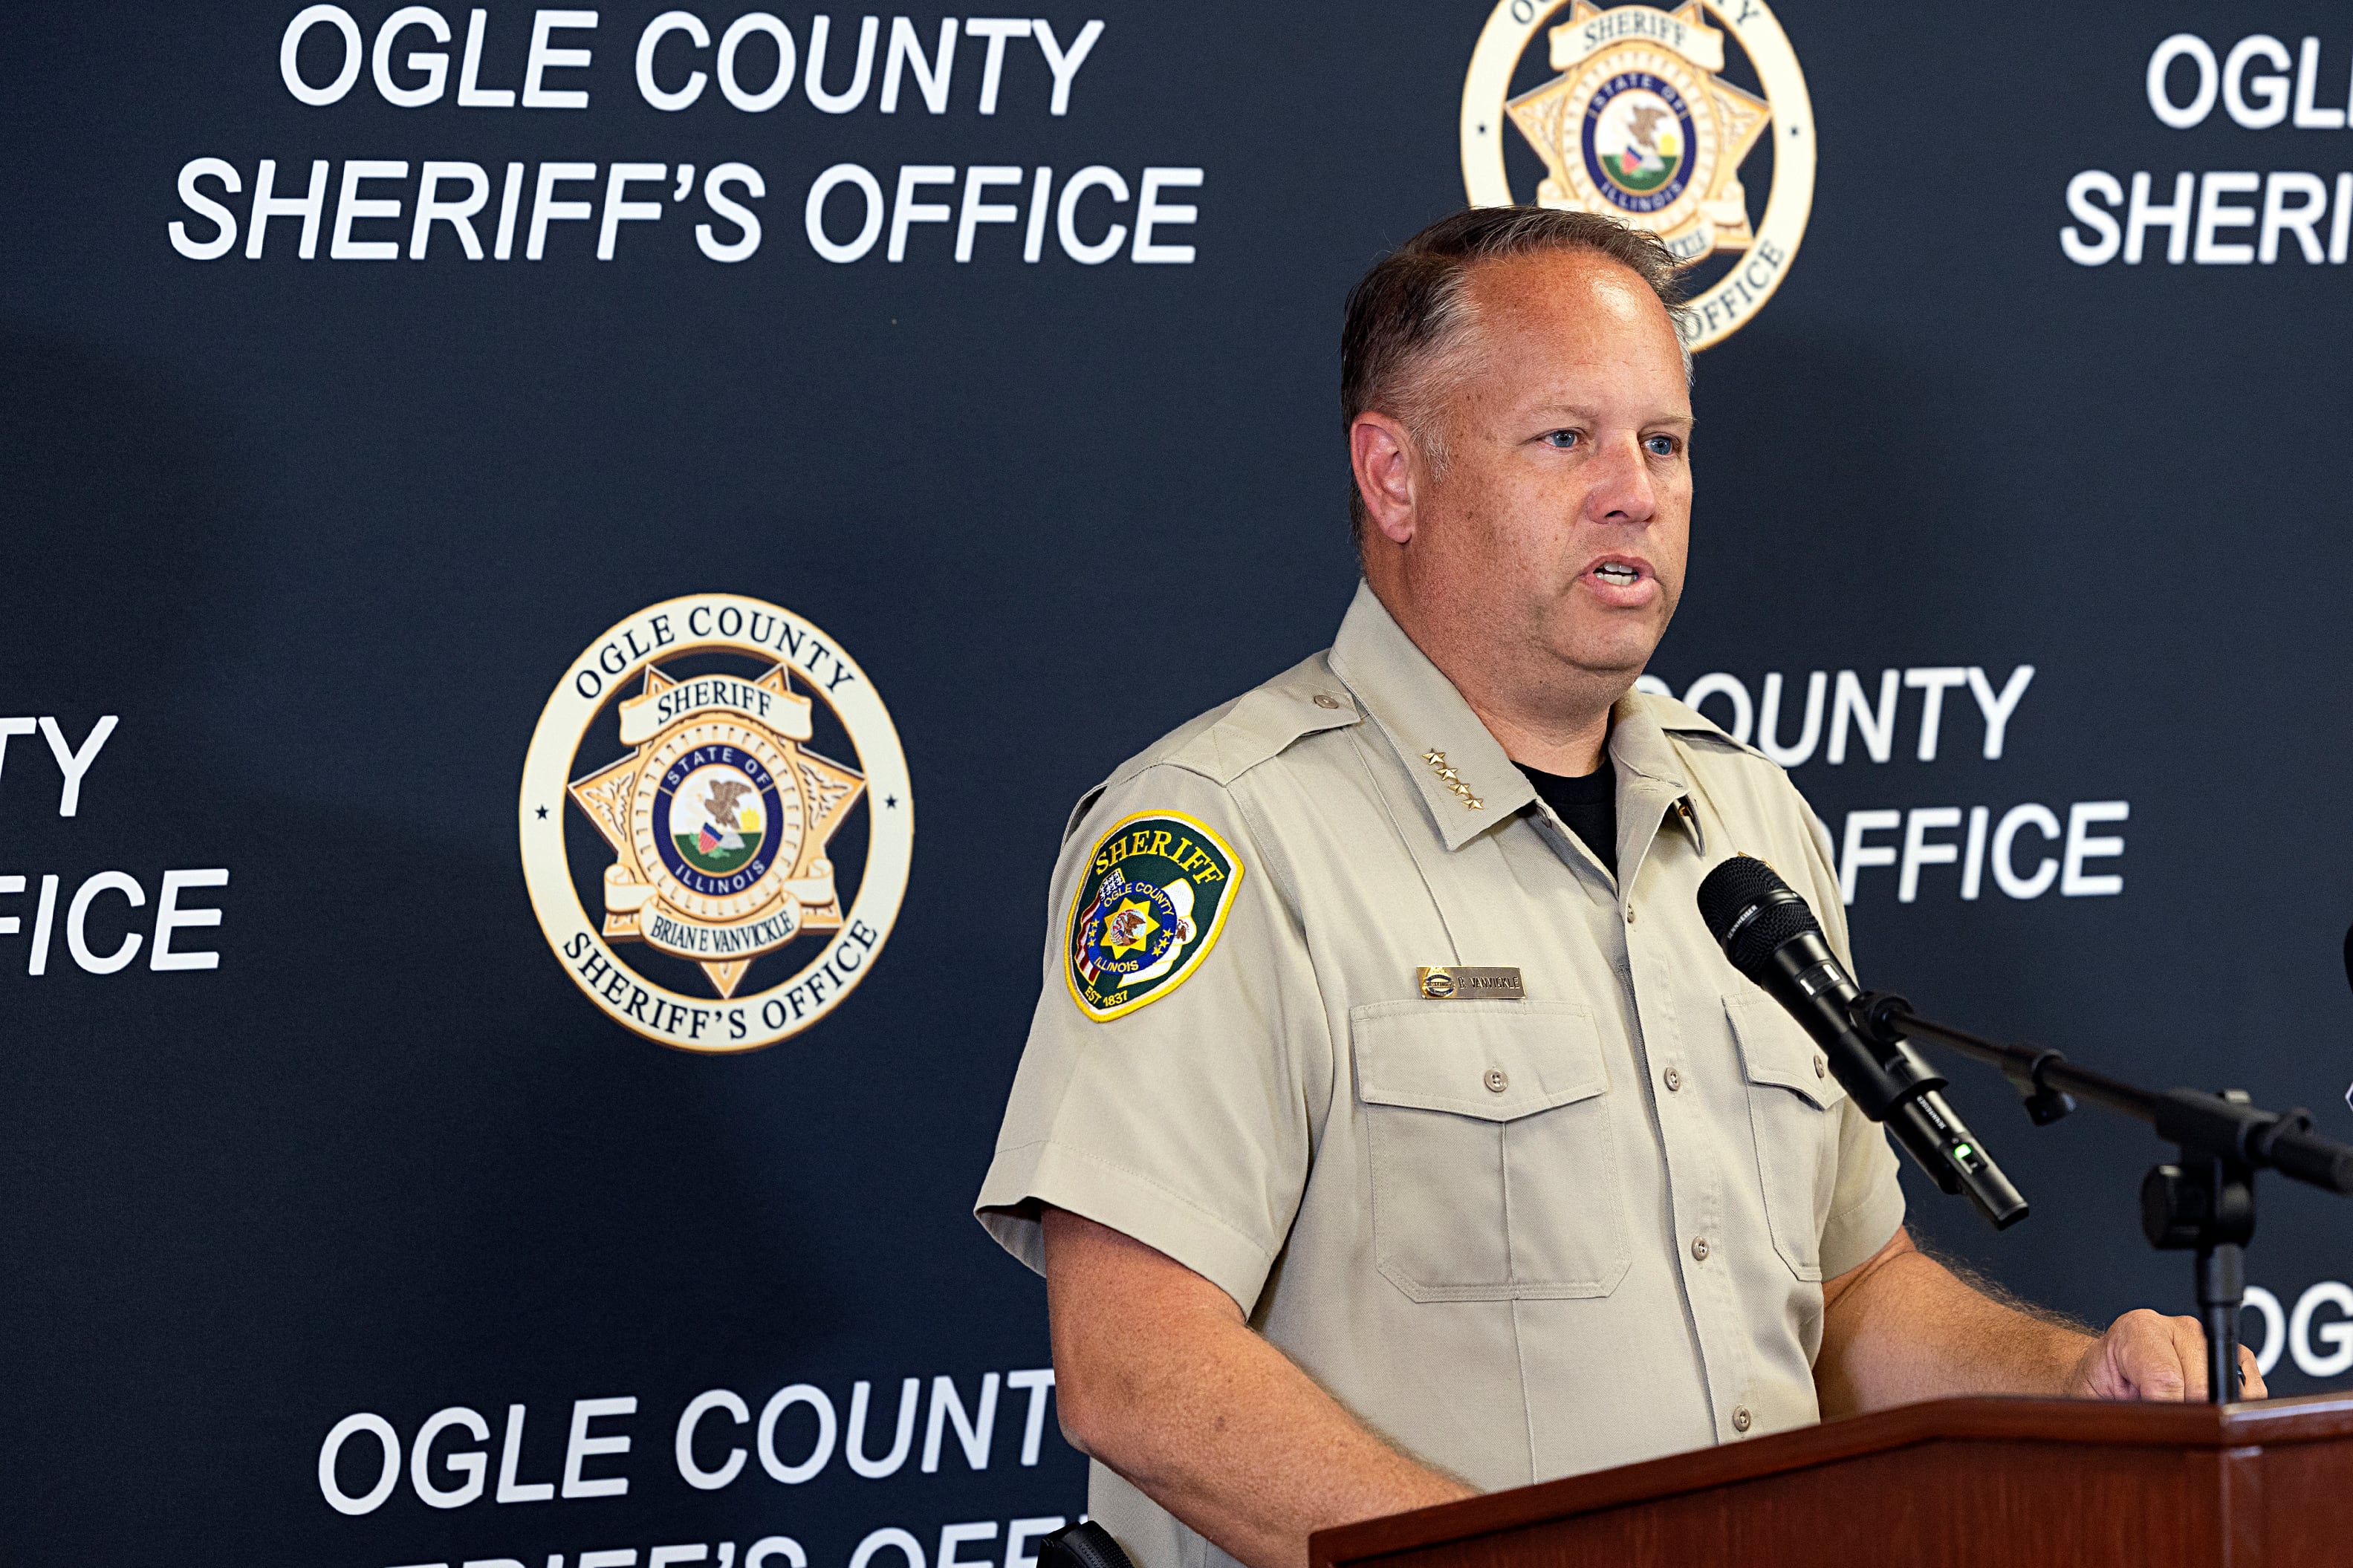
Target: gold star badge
x=1639, y=126
x=753, y=730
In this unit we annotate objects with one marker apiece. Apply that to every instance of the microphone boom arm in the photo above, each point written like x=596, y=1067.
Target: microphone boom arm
x=2205, y=1203
x=2202, y=1123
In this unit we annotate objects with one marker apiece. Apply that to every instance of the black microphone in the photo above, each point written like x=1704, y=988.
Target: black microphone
x=1770, y=935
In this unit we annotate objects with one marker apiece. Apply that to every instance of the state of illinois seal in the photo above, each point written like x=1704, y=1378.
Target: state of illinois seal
x=1640, y=122
x=698, y=776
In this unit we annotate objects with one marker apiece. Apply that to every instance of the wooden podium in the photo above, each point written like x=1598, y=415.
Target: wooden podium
x=1961, y=1483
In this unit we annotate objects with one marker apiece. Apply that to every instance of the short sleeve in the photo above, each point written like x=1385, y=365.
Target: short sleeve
x=1867, y=1204
x=1172, y=1107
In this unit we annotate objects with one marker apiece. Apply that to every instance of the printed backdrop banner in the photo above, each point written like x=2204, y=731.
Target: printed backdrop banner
x=564, y=568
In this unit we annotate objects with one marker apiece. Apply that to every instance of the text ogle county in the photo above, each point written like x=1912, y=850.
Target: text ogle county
x=380, y=209
x=717, y=1438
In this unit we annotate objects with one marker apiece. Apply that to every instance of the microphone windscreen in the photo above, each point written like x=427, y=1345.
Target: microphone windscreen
x=1750, y=911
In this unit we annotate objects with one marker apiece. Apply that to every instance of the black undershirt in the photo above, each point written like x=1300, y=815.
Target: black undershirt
x=1589, y=805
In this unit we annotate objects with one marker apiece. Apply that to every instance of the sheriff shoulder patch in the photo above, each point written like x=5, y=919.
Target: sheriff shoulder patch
x=1151, y=900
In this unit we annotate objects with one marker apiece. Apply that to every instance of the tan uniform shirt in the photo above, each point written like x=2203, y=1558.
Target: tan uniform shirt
x=1522, y=1238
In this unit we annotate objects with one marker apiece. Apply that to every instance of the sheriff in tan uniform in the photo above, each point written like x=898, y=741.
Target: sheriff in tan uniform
x=1525, y=1230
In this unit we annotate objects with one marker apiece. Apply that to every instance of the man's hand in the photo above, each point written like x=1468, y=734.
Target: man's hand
x=2146, y=1356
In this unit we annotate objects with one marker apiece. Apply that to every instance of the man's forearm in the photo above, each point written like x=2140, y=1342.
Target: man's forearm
x=1213, y=1423
x=1902, y=1328
x=1235, y=1440
x=1908, y=1330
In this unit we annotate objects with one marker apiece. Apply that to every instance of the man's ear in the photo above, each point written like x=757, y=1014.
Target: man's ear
x=1382, y=452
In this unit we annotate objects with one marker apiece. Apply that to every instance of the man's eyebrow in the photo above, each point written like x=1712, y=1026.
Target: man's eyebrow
x=1579, y=411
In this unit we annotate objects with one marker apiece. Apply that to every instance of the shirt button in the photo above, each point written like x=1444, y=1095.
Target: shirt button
x=1699, y=1253
x=1674, y=1080
x=1325, y=700
x=1741, y=1419
x=1630, y=914
x=1820, y=1066
x=1496, y=1082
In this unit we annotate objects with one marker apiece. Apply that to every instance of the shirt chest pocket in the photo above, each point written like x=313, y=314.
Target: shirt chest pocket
x=1793, y=1110
x=1489, y=1137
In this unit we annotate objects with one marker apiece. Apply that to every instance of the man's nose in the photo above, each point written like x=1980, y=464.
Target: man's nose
x=1622, y=489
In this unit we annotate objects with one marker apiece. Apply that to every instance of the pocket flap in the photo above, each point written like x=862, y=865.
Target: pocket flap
x=1775, y=1050
x=1440, y=1055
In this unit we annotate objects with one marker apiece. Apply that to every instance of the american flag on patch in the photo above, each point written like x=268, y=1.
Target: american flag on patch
x=708, y=839
x=1088, y=969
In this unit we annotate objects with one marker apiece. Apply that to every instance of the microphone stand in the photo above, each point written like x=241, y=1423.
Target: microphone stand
x=2205, y=1202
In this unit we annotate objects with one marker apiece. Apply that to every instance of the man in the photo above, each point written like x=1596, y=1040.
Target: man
x=1327, y=1236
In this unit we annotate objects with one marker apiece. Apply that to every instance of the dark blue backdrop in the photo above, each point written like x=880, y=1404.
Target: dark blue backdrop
x=324, y=535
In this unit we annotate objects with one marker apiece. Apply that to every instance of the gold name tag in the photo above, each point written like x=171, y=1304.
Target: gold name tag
x=1461, y=982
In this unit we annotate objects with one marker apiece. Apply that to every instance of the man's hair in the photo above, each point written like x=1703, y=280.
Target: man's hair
x=1414, y=305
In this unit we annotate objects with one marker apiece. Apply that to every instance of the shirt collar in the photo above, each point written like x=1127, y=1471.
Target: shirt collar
x=1433, y=728
x=1651, y=777
x=1439, y=735
x=1639, y=745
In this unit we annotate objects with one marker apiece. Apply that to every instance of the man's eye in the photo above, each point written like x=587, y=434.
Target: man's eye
x=1561, y=440
x=1660, y=445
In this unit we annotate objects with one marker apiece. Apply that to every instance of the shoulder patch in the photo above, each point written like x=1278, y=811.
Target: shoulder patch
x=1151, y=900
